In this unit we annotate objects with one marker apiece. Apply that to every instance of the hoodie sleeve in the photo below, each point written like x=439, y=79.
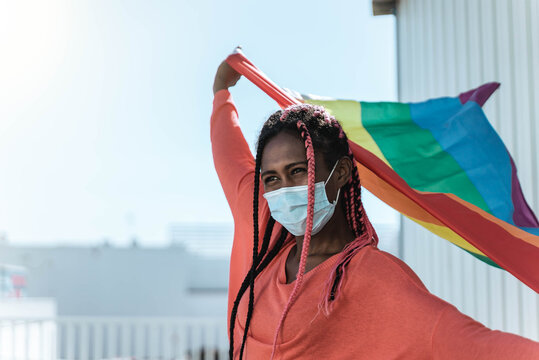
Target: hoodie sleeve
x=457, y=336
x=235, y=167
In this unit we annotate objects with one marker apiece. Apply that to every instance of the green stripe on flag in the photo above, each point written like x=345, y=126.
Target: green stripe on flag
x=415, y=154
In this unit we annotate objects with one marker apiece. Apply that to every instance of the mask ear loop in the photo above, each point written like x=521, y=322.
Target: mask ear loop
x=331, y=173
x=325, y=183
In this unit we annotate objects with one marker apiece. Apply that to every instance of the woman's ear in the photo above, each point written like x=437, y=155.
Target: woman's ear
x=344, y=171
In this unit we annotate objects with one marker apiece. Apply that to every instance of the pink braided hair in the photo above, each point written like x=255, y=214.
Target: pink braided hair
x=310, y=213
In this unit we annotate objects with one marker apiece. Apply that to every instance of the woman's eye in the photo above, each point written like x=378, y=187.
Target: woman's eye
x=270, y=179
x=297, y=171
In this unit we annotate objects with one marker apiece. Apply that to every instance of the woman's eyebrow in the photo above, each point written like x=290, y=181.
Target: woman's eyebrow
x=295, y=163
x=286, y=167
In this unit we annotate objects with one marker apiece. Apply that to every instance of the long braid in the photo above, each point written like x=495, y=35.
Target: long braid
x=355, y=193
x=309, y=226
x=246, y=281
x=256, y=258
x=256, y=195
x=245, y=284
x=266, y=240
x=346, y=208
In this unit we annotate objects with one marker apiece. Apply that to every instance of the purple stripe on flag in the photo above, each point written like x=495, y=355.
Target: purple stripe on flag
x=479, y=95
x=523, y=215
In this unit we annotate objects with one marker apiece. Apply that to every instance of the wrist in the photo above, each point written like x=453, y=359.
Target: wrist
x=219, y=85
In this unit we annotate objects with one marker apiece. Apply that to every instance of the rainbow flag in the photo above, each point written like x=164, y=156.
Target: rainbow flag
x=441, y=164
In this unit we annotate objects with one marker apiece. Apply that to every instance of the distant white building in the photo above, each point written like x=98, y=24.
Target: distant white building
x=207, y=239
x=115, y=303
x=108, y=281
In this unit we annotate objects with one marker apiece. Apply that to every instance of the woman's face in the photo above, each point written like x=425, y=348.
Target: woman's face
x=284, y=164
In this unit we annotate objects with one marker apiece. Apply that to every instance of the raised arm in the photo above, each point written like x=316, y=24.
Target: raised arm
x=458, y=336
x=235, y=167
x=232, y=157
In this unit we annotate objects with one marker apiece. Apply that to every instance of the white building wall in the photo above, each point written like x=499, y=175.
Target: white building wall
x=131, y=282
x=447, y=47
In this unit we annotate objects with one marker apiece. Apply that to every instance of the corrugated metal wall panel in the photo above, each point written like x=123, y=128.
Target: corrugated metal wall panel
x=444, y=48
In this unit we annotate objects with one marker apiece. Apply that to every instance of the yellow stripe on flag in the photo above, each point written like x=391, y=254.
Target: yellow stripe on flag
x=348, y=113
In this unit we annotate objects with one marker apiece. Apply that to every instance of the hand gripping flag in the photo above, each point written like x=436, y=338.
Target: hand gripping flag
x=439, y=163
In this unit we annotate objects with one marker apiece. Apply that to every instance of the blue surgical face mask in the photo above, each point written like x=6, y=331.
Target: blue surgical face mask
x=288, y=206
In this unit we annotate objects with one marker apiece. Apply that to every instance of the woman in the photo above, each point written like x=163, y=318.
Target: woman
x=318, y=287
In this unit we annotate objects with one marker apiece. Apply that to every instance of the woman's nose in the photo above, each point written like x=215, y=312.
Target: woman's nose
x=285, y=182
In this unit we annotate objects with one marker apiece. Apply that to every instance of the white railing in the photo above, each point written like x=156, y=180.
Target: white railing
x=85, y=338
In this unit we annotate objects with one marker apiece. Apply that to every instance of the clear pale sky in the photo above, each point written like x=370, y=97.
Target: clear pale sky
x=105, y=105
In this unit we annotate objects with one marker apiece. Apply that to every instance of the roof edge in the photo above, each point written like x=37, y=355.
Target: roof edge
x=384, y=7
